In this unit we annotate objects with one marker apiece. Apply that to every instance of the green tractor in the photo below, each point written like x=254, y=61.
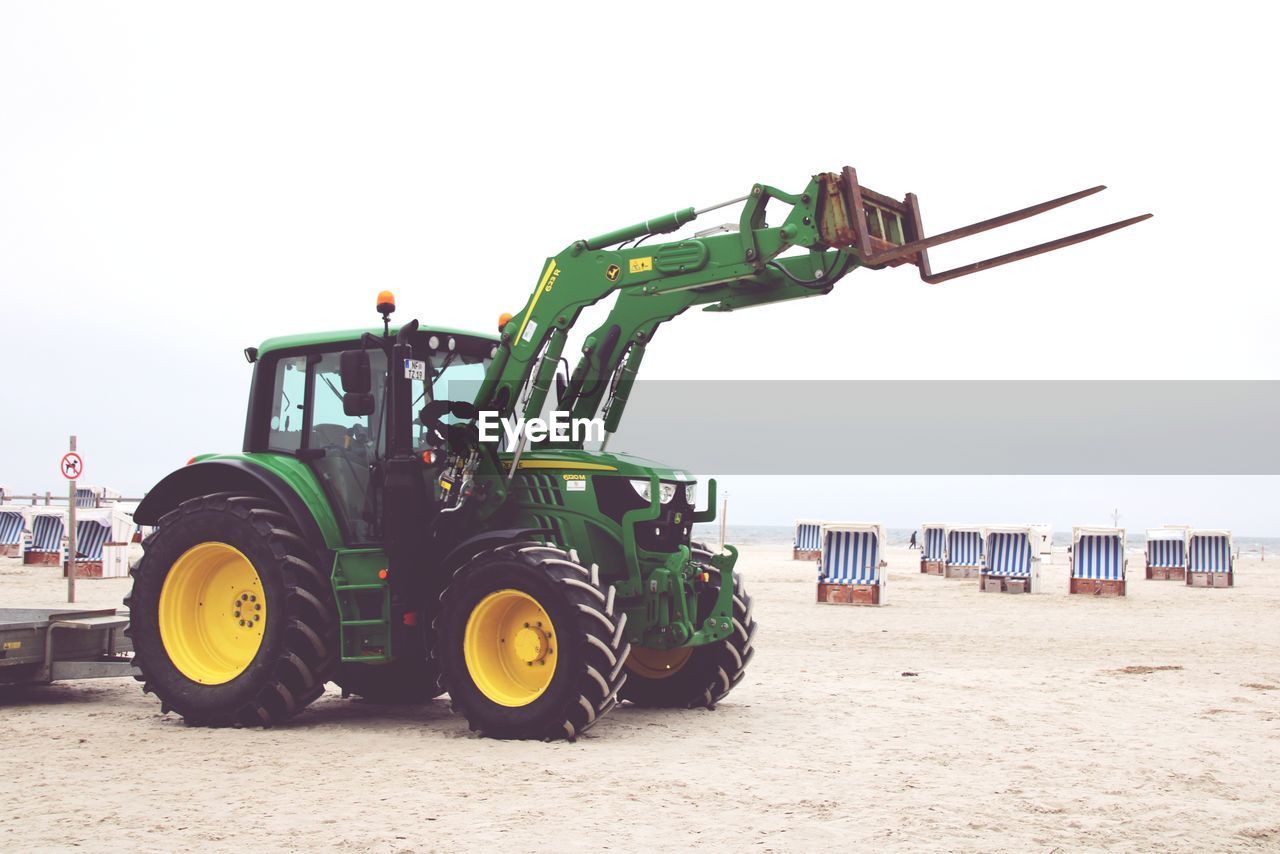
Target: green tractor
x=375, y=533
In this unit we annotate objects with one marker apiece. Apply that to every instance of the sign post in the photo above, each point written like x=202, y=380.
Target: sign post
x=72, y=467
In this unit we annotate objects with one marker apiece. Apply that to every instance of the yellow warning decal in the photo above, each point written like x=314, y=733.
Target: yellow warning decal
x=13, y=644
x=544, y=283
x=642, y=265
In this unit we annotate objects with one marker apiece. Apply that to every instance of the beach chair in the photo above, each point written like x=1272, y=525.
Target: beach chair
x=1042, y=541
x=1097, y=561
x=933, y=548
x=850, y=569
x=13, y=530
x=1165, y=555
x=102, y=542
x=48, y=528
x=138, y=532
x=94, y=496
x=1011, y=563
x=807, y=542
x=1210, y=562
x=964, y=552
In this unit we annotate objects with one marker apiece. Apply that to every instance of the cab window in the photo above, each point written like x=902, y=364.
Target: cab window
x=287, y=404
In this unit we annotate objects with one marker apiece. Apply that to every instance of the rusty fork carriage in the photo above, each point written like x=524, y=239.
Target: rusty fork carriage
x=887, y=232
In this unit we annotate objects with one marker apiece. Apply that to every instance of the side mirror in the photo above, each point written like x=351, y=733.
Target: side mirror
x=433, y=412
x=357, y=383
x=463, y=409
x=355, y=372
x=357, y=405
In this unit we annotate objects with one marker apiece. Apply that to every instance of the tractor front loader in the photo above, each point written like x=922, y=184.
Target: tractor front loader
x=370, y=534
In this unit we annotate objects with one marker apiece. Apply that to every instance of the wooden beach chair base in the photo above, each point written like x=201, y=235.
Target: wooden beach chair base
x=1211, y=579
x=87, y=569
x=848, y=594
x=1096, y=587
x=14, y=550
x=1002, y=584
x=1166, y=573
x=931, y=567
x=956, y=571
x=42, y=559
x=805, y=554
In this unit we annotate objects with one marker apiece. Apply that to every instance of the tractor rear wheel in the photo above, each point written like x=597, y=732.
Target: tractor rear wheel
x=530, y=644
x=687, y=677
x=231, y=622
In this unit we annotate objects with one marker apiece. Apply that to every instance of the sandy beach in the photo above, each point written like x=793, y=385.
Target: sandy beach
x=947, y=720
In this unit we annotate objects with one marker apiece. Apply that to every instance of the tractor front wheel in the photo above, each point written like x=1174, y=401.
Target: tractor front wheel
x=231, y=622
x=530, y=644
x=686, y=677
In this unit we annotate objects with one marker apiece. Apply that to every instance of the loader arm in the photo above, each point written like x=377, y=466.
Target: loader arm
x=834, y=226
x=636, y=316
x=721, y=267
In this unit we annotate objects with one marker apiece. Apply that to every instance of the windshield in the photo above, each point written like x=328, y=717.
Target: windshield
x=452, y=376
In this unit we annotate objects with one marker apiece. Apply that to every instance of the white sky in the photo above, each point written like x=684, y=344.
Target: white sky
x=179, y=181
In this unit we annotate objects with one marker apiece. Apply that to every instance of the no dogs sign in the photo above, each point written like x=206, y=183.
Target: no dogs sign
x=72, y=466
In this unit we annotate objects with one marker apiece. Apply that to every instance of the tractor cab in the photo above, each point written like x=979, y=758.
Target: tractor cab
x=312, y=400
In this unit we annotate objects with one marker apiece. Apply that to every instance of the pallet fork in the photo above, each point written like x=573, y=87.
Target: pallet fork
x=887, y=232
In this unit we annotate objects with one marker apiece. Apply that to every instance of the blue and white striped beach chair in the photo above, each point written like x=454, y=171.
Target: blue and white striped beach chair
x=94, y=496
x=850, y=569
x=1166, y=554
x=13, y=527
x=1010, y=562
x=102, y=541
x=808, y=540
x=933, y=548
x=91, y=536
x=1097, y=561
x=964, y=552
x=48, y=527
x=1210, y=562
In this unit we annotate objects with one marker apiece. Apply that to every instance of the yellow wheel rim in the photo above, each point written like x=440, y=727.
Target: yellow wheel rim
x=658, y=663
x=510, y=647
x=213, y=613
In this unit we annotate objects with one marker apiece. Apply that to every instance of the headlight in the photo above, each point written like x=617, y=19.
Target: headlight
x=691, y=494
x=666, y=491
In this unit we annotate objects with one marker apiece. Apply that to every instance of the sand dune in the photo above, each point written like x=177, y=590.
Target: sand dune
x=948, y=720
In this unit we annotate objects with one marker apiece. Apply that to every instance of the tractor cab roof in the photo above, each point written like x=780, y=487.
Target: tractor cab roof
x=311, y=339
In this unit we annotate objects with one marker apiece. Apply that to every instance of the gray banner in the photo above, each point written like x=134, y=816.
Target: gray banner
x=944, y=427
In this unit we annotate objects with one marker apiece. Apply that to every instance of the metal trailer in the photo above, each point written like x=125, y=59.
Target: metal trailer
x=46, y=644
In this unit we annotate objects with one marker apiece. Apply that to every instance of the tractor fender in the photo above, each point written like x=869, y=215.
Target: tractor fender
x=477, y=543
x=214, y=476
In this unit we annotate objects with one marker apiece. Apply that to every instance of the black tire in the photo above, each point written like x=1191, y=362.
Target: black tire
x=299, y=644
x=709, y=672
x=591, y=645
x=406, y=680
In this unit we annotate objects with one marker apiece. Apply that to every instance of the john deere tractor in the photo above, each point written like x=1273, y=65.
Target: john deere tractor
x=371, y=534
